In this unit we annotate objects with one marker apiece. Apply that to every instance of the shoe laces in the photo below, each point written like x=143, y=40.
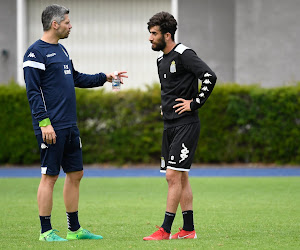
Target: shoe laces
x=85, y=231
x=160, y=231
x=180, y=229
x=53, y=234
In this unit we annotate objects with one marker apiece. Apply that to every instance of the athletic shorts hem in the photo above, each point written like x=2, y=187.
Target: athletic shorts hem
x=179, y=169
x=76, y=170
x=45, y=172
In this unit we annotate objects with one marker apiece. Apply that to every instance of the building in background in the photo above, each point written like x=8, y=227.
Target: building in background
x=245, y=41
x=8, y=40
x=253, y=41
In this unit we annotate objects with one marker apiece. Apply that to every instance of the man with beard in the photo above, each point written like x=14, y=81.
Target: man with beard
x=50, y=79
x=179, y=69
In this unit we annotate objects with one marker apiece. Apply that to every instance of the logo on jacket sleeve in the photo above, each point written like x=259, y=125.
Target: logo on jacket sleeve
x=173, y=67
x=205, y=88
x=207, y=75
x=31, y=54
x=207, y=81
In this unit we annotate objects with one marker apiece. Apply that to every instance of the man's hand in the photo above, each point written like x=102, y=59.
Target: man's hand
x=183, y=106
x=113, y=75
x=48, y=134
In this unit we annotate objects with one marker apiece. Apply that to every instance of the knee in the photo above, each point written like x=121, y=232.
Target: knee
x=185, y=179
x=75, y=176
x=79, y=175
x=173, y=177
x=49, y=180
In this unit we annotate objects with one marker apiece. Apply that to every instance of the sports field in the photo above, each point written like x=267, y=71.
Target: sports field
x=230, y=213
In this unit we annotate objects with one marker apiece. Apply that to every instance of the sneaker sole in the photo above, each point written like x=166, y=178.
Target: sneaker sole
x=183, y=238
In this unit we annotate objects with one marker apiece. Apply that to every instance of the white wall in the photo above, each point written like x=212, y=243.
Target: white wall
x=107, y=35
x=7, y=41
x=245, y=41
x=207, y=26
x=267, y=42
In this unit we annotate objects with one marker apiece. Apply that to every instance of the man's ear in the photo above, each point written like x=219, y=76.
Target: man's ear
x=55, y=25
x=168, y=36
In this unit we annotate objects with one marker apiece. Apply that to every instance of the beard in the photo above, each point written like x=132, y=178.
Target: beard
x=62, y=34
x=160, y=45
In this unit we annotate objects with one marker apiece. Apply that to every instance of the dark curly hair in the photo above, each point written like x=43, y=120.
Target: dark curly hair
x=165, y=21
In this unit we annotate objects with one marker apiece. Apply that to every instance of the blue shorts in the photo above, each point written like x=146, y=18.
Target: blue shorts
x=66, y=152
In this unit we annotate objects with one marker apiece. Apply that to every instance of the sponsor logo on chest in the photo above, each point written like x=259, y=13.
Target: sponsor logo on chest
x=51, y=55
x=67, y=71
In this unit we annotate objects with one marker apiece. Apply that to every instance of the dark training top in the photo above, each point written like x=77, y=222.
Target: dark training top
x=179, y=71
x=50, y=80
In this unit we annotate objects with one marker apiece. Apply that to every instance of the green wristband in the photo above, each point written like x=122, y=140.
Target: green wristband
x=45, y=122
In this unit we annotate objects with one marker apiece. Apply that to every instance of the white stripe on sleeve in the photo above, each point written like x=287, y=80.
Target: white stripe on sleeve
x=34, y=64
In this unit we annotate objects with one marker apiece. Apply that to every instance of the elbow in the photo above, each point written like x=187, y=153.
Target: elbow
x=213, y=77
x=209, y=76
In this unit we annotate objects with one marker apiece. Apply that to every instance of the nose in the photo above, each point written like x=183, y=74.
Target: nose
x=150, y=38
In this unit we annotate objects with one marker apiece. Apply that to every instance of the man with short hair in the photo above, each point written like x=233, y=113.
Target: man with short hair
x=179, y=69
x=50, y=79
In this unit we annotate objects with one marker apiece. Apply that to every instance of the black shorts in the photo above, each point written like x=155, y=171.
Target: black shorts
x=178, y=147
x=66, y=152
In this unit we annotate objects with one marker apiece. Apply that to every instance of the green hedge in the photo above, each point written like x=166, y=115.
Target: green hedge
x=238, y=124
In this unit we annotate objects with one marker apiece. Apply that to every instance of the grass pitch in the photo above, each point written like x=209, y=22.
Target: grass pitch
x=230, y=213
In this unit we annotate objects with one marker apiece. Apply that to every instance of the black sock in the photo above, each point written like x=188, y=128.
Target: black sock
x=169, y=218
x=73, y=223
x=188, y=220
x=45, y=223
